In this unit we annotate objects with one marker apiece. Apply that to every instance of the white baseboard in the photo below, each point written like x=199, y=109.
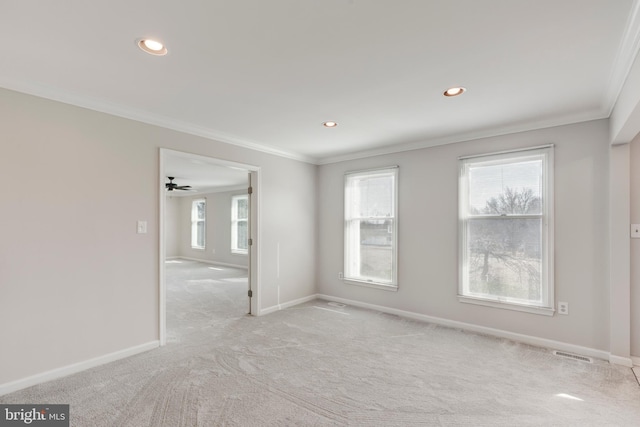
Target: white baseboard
x=207, y=261
x=53, y=374
x=624, y=361
x=526, y=339
x=287, y=304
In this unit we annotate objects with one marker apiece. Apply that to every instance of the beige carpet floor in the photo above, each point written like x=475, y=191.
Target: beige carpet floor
x=321, y=365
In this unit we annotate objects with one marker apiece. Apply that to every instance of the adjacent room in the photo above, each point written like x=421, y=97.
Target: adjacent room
x=344, y=212
x=205, y=234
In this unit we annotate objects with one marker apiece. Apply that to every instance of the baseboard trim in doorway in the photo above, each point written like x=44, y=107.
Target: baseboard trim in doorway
x=286, y=305
x=206, y=261
x=53, y=374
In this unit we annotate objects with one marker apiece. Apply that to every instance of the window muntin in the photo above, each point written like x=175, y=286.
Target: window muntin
x=240, y=224
x=506, y=230
x=198, y=223
x=370, y=227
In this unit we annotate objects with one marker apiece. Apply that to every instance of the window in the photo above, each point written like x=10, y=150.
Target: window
x=506, y=230
x=240, y=224
x=370, y=227
x=198, y=215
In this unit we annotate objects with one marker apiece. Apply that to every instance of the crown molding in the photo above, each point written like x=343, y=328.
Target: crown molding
x=58, y=95
x=625, y=57
x=471, y=136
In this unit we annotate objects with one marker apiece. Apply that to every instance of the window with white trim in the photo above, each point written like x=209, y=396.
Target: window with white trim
x=506, y=230
x=370, y=227
x=198, y=223
x=240, y=224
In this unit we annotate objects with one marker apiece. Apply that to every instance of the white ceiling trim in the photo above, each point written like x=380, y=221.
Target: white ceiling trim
x=487, y=133
x=164, y=122
x=65, y=97
x=626, y=56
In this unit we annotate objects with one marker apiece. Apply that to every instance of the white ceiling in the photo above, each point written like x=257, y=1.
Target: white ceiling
x=203, y=174
x=266, y=74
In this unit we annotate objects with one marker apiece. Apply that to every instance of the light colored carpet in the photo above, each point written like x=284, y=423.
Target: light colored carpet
x=321, y=365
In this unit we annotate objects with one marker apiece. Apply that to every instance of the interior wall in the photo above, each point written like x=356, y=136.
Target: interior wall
x=428, y=238
x=172, y=221
x=218, y=229
x=635, y=248
x=77, y=281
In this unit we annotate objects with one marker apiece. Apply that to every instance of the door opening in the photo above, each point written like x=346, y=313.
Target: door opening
x=220, y=179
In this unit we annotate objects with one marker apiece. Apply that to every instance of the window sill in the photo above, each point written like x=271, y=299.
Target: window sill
x=239, y=253
x=367, y=284
x=545, y=311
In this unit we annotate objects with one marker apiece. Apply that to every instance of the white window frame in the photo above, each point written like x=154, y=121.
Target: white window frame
x=195, y=221
x=234, y=223
x=546, y=304
x=351, y=253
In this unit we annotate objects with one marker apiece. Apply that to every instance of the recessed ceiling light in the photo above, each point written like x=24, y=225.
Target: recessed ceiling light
x=330, y=124
x=152, y=46
x=454, y=91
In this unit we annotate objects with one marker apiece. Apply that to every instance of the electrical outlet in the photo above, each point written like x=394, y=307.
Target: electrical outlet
x=340, y=275
x=563, y=308
x=635, y=231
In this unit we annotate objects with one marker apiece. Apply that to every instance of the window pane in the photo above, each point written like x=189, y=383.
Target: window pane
x=372, y=196
x=243, y=234
x=200, y=234
x=505, y=258
x=243, y=205
x=506, y=188
x=200, y=210
x=198, y=218
x=376, y=249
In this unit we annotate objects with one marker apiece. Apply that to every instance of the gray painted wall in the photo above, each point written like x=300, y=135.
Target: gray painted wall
x=218, y=229
x=428, y=234
x=76, y=280
x=172, y=221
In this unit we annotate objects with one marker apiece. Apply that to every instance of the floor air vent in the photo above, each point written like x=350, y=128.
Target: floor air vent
x=336, y=304
x=573, y=356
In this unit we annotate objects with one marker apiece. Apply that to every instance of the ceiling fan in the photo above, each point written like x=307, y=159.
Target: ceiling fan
x=170, y=186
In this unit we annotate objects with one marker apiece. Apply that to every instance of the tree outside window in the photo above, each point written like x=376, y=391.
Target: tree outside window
x=506, y=228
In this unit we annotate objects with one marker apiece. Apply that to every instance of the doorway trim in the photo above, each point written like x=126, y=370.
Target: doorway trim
x=255, y=229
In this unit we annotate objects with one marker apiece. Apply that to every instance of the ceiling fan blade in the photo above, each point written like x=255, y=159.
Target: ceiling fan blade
x=183, y=187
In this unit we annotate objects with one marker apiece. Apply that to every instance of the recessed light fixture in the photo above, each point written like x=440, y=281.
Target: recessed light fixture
x=152, y=47
x=330, y=124
x=454, y=91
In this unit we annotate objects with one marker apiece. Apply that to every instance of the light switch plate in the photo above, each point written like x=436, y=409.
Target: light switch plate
x=635, y=231
x=142, y=227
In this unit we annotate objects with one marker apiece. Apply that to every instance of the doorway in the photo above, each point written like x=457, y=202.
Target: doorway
x=205, y=183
